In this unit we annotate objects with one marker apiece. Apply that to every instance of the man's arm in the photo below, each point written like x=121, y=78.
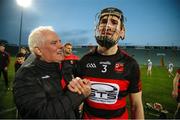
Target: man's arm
x=175, y=85
x=137, y=111
x=39, y=100
x=8, y=59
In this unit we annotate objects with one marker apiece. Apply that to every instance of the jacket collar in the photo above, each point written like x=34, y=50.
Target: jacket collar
x=53, y=66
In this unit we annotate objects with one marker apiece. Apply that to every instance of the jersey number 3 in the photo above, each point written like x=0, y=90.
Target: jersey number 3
x=104, y=69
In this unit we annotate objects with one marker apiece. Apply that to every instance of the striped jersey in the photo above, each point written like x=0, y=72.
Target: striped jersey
x=178, y=71
x=112, y=78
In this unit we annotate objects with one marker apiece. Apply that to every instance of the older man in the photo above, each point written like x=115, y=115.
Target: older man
x=39, y=90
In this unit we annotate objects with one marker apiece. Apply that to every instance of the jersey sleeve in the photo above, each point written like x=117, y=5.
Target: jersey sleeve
x=135, y=82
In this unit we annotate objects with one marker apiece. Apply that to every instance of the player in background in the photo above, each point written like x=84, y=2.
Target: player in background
x=170, y=69
x=149, y=68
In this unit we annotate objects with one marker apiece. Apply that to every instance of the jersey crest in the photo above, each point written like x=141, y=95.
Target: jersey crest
x=119, y=67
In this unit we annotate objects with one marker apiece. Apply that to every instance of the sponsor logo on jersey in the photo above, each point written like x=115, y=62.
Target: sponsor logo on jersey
x=119, y=67
x=90, y=65
x=105, y=63
x=106, y=93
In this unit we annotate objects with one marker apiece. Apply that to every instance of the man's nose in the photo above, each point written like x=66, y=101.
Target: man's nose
x=60, y=45
x=109, y=23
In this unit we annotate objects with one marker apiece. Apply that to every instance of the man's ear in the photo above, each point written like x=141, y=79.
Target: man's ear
x=37, y=51
x=122, y=33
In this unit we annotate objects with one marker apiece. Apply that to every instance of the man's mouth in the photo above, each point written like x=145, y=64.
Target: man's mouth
x=60, y=52
x=106, y=33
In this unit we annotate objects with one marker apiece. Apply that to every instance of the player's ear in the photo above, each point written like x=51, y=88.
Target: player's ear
x=122, y=32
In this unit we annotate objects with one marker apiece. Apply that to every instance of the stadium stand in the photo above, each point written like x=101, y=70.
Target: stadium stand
x=156, y=54
x=140, y=53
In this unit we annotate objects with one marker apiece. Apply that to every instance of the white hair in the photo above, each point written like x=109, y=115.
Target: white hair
x=37, y=38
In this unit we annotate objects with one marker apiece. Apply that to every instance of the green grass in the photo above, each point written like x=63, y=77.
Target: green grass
x=156, y=88
x=6, y=98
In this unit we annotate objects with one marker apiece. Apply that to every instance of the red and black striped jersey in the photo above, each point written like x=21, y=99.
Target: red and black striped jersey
x=112, y=78
x=178, y=71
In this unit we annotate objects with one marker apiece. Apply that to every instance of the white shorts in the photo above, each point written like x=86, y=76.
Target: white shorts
x=149, y=68
x=170, y=70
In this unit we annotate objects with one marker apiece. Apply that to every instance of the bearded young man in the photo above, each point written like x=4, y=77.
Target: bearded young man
x=112, y=72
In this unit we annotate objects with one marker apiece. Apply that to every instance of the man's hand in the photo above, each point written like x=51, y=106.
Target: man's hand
x=174, y=93
x=82, y=86
x=5, y=68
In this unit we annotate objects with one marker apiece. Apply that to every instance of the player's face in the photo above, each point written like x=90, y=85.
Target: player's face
x=110, y=26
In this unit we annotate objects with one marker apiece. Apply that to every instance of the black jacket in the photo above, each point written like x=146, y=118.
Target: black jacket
x=4, y=60
x=38, y=93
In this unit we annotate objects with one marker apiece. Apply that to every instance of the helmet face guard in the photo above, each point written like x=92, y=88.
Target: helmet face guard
x=109, y=26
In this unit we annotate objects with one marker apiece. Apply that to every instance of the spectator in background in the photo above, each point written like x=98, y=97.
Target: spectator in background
x=69, y=54
x=25, y=51
x=149, y=68
x=38, y=88
x=112, y=72
x=70, y=60
x=19, y=61
x=4, y=62
x=176, y=93
x=170, y=69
